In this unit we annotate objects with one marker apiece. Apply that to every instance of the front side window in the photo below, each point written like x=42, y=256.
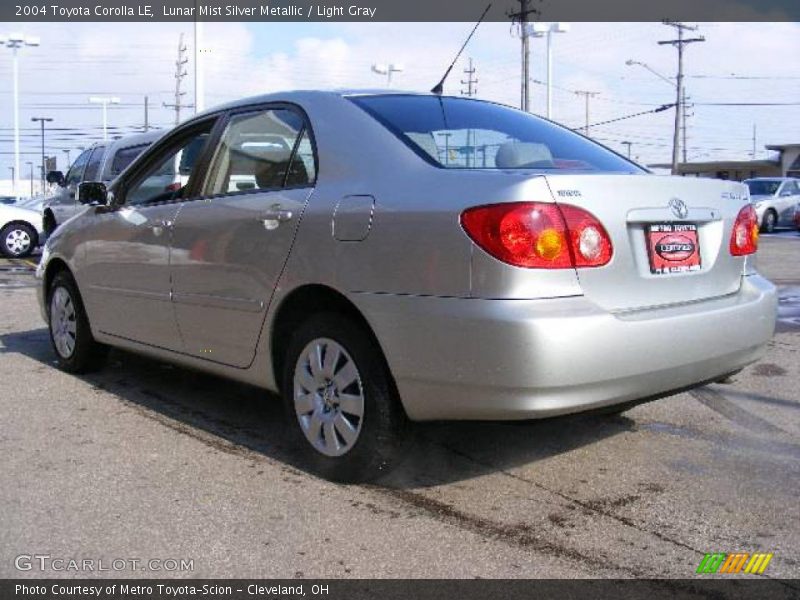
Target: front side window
x=76, y=170
x=169, y=178
x=457, y=133
x=93, y=166
x=256, y=153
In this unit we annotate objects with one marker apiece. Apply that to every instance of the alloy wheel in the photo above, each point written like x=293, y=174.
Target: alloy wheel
x=328, y=397
x=63, y=322
x=18, y=241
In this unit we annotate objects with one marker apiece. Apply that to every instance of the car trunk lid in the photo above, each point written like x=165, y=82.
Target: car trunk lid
x=629, y=206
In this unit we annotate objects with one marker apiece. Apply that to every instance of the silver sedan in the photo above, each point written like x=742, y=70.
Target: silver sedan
x=385, y=258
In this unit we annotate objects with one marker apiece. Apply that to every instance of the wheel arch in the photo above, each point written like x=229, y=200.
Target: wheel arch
x=300, y=304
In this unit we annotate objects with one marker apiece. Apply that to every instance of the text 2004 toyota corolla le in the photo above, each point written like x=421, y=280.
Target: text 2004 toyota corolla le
x=380, y=258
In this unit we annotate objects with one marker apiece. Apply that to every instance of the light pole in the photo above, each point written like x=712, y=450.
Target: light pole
x=674, y=85
x=30, y=164
x=15, y=41
x=547, y=30
x=387, y=70
x=42, y=121
x=105, y=101
x=628, y=144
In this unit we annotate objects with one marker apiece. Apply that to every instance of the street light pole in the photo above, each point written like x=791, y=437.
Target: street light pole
x=387, y=70
x=628, y=144
x=15, y=41
x=105, y=101
x=30, y=164
x=42, y=121
x=547, y=30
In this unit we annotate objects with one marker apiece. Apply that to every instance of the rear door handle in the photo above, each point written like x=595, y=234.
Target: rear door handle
x=275, y=216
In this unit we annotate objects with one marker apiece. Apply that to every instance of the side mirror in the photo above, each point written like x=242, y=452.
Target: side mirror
x=55, y=177
x=93, y=192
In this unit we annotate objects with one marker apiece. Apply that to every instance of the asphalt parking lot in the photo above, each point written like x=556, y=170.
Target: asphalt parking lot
x=149, y=461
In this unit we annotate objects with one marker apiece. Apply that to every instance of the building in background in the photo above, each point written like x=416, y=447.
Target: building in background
x=785, y=164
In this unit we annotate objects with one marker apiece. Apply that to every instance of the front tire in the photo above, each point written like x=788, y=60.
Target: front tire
x=341, y=401
x=769, y=221
x=70, y=335
x=18, y=240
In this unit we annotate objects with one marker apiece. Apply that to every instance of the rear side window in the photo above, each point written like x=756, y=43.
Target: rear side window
x=256, y=153
x=124, y=157
x=457, y=133
x=93, y=166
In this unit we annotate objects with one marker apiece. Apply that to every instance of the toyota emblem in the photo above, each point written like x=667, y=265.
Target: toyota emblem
x=679, y=208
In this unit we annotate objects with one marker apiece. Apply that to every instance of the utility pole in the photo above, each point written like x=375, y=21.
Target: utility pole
x=471, y=82
x=67, y=153
x=472, y=89
x=146, y=116
x=754, y=142
x=180, y=73
x=42, y=121
x=684, y=125
x=628, y=144
x=679, y=98
x=521, y=18
x=13, y=181
x=586, y=95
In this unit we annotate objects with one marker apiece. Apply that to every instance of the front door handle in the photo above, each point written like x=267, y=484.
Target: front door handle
x=275, y=216
x=160, y=226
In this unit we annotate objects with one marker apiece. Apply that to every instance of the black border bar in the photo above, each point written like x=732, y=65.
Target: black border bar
x=395, y=10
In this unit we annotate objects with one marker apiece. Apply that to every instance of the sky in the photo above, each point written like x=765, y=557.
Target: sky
x=739, y=63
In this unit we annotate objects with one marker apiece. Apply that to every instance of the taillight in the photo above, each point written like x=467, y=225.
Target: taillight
x=744, y=237
x=539, y=235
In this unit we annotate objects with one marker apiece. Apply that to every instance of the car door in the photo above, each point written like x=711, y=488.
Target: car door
x=788, y=198
x=127, y=257
x=64, y=203
x=230, y=247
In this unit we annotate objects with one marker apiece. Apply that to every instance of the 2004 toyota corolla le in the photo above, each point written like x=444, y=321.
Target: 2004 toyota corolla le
x=380, y=258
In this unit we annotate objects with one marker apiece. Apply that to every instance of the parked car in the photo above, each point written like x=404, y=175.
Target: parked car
x=797, y=217
x=774, y=199
x=403, y=257
x=20, y=229
x=8, y=199
x=101, y=162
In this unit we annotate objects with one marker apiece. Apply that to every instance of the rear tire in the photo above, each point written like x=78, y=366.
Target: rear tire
x=769, y=221
x=18, y=240
x=70, y=335
x=340, y=398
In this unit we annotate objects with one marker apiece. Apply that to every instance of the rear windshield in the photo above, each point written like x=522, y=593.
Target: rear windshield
x=457, y=133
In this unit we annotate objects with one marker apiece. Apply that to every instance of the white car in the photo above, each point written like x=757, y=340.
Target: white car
x=20, y=229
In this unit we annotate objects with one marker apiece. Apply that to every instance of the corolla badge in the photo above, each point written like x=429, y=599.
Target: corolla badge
x=678, y=207
x=675, y=247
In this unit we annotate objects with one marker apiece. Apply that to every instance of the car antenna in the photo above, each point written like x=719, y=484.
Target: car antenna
x=439, y=87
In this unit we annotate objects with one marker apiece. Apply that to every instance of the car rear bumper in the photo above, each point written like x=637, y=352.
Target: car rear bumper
x=519, y=359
